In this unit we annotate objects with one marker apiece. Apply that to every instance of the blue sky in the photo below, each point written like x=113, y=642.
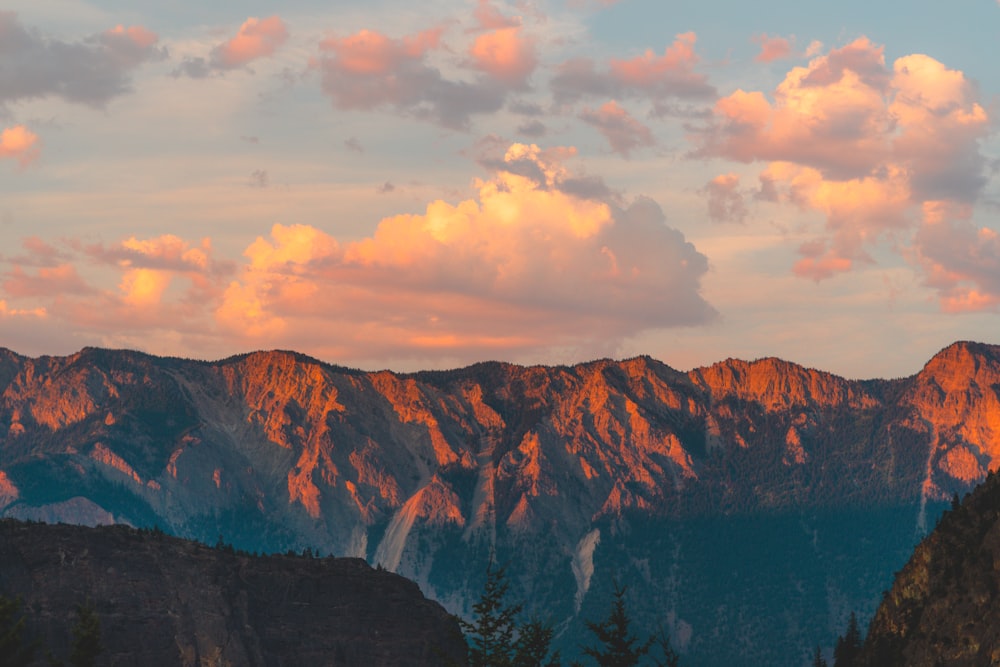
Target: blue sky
x=383, y=184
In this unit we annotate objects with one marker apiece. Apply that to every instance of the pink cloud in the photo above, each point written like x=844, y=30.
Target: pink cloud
x=864, y=144
x=162, y=286
x=489, y=18
x=772, y=48
x=19, y=143
x=623, y=132
x=725, y=201
x=90, y=71
x=961, y=262
x=505, y=55
x=648, y=75
x=369, y=70
x=61, y=279
x=257, y=38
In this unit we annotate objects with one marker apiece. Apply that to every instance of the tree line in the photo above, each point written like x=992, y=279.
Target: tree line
x=17, y=650
x=497, y=638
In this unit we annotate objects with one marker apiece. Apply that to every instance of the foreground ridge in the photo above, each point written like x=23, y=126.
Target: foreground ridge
x=165, y=601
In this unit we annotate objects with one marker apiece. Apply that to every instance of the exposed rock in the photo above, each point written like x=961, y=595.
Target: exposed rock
x=168, y=602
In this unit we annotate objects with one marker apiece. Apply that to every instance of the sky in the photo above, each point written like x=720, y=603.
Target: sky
x=409, y=186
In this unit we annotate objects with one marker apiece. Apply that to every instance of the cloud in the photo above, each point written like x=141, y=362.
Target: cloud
x=19, y=143
x=725, y=201
x=141, y=286
x=259, y=179
x=534, y=263
x=671, y=75
x=864, y=144
x=522, y=267
x=368, y=70
x=257, y=38
x=961, y=261
x=506, y=55
x=772, y=48
x=489, y=18
x=623, y=132
x=92, y=71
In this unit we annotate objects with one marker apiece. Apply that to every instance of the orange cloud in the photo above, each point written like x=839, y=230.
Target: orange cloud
x=864, y=144
x=622, y=131
x=133, y=292
x=505, y=55
x=19, y=143
x=537, y=261
x=523, y=266
x=257, y=38
x=772, y=48
x=370, y=52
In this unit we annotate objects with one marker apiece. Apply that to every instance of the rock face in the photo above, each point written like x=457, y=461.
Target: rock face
x=943, y=607
x=717, y=493
x=165, y=602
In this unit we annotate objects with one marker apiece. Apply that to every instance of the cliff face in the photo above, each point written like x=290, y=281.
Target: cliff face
x=170, y=602
x=556, y=466
x=943, y=606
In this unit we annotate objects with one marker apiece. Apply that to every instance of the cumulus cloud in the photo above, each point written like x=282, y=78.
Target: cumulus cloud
x=772, y=48
x=623, y=132
x=92, y=71
x=257, y=38
x=865, y=144
x=523, y=266
x=19, y=143
x=369, y=70
x=671, y=75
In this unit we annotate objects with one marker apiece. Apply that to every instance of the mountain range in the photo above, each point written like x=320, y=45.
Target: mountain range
x=748, y=506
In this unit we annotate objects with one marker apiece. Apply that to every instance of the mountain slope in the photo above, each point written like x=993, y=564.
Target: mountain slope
x=571, y=473
x=943, y=606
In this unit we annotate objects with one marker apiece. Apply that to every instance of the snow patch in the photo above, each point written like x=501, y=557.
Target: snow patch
x=583, y=564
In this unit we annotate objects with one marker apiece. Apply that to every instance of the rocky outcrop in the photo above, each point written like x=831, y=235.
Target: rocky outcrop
x=168, y=602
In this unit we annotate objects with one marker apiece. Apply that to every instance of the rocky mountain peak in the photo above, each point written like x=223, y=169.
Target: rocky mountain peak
x=779, y=385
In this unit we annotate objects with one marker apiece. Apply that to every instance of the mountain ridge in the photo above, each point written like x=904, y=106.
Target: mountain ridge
x=557, y=464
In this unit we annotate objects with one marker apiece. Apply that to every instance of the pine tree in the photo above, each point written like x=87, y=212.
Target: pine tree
x=618, y=647
x=86, y=637
x=532, y=645
x=670, y=656
x=495, y=639
x=491, y=633
x=818, y=659
x=848, y=648
x=14, y=652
